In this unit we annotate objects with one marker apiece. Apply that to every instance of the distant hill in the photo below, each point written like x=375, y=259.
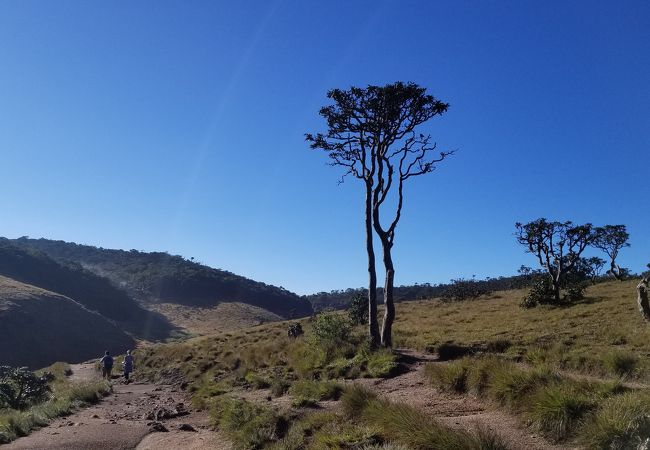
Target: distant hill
x=39, y=327
x=155, y=278
x=95, y=293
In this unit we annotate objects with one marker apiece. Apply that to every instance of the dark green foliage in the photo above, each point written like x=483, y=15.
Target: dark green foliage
x=295, y=330
x=358, y=310
x=20, y=388
x=462, y=289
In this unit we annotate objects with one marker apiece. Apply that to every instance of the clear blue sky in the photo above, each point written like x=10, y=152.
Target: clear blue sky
x=178, y=126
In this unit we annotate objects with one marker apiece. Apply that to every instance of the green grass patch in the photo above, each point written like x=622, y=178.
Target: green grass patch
x=309, y=392
x=248, y=425
x=404, y=425
x=561, y=408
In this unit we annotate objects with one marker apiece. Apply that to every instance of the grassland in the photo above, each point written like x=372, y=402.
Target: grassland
x=603, y=335
x=575, y=374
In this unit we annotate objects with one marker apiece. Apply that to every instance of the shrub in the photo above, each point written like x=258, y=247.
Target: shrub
x=279, y=386
x=20, y=387
x=331, y=327
x=256, y=381
x=575, y=293
x=246, y=424
x=295, y=330
x=358, y=310
x=332, y=334
x=541, y=292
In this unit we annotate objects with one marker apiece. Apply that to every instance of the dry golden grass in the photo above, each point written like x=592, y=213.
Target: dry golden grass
x=223, y=317
x=592, y=336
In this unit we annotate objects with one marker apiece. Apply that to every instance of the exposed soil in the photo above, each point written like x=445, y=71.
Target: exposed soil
x=456, y=411
x=134, y=416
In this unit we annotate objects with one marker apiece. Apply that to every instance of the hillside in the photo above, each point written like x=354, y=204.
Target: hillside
x=39, y=327
x=155, y=278
x=549, y=377
x=95, y=293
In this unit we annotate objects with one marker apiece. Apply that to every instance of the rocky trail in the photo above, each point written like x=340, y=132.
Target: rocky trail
x=146, y=416
x=140, y=416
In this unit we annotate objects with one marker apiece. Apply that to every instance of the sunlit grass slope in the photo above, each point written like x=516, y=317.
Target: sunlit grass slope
x=604, y=334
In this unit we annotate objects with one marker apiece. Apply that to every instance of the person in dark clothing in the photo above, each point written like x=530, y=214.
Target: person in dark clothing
x=106, y=364
x=128, y=365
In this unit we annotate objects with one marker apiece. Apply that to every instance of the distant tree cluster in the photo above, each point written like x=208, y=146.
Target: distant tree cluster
x=463, y=289
x=559, y=247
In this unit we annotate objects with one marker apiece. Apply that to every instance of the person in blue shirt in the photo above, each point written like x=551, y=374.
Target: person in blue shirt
x=106, y=364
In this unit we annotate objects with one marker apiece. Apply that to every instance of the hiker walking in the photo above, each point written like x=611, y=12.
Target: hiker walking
x=128, y=365
x=107, y=365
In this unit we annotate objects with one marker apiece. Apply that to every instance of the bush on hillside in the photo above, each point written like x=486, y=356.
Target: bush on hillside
x=332, y=333
x=20, y=387
x=358, y=310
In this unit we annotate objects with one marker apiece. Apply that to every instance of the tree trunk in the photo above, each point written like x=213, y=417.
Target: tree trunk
x=644, y=306
x=373, y=326
x=615, y=270
x=389, y=305
x=556, y=288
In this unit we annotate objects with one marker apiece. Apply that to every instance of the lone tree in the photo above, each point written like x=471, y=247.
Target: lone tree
x=373, y=133
x=557, y=246
x=611, y=239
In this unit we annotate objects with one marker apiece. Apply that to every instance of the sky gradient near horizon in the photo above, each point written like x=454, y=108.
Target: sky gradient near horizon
x=179, y=126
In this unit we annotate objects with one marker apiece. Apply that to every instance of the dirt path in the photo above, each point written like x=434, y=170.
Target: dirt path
x=133, y=416
x=456, y=411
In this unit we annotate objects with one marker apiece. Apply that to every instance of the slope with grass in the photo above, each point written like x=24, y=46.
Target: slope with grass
x=576, y=376
x=158, y=277
x=39, y=327
x=95, y=293
x=602, y=335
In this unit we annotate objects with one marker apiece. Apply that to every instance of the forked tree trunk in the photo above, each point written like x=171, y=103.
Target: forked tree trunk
x=642, y=291
x=389, y=305
x=373, y=326
x=615, y=270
